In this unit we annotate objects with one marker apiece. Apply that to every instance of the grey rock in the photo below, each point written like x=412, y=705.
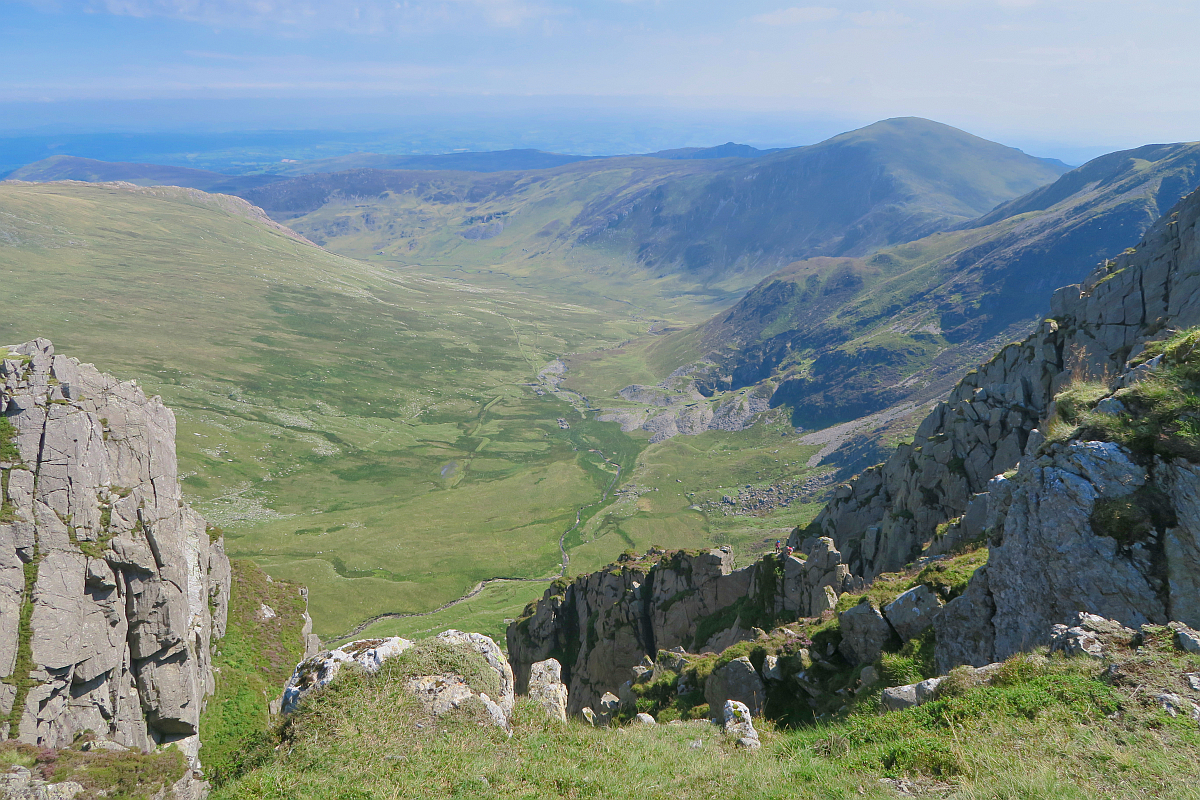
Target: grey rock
x=914, y=694
x=547, y=688
x=644, y=719
x=867, y=678
x=495, y=658
x=1186, y=639
x=1075, y=642
x=739, y=725
x=737, y=681
x=913, y=612
x=610, y=706
x=771, y=670
x=589, y=716
x=121, y=643
x=316, y=672
x=864, y=633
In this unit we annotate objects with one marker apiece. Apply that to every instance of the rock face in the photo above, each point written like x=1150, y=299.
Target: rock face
x=883, y=519
x=111, y=590
x=603, y=624
x=913, y=612
x=1046, y=558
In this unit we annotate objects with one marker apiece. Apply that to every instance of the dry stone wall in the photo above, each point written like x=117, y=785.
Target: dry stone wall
x=111, y=589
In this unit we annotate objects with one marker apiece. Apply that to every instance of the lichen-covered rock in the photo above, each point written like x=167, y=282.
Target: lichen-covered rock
x=124, y=588
x=547, y=688
x=864, y=633
x=913, y=612
x=739, y=725
x=1047, y=558
x=317, y=671
x=736, y=681
x=441, y=694
x=495, y=658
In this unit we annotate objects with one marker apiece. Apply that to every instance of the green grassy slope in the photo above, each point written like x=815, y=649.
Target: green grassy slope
x=363, y=431
x=1046, y=728
x=373, y=433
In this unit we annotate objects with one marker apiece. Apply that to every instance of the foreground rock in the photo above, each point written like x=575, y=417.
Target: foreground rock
x=737, y=681
x=317, y=671
x=739, y=725
x=110, y=585
x=547, y=688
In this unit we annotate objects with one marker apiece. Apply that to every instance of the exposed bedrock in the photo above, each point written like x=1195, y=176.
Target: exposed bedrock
x=111, y=589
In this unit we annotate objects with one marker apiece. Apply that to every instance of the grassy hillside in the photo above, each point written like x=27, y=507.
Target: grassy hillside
x=367, y=432
x=1046, y=728
x=376, y=434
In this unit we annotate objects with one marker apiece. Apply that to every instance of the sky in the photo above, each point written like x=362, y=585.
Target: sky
x=1055, y=77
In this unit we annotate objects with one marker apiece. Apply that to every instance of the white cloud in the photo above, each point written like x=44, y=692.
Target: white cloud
x=797, y=15
x=355, y=16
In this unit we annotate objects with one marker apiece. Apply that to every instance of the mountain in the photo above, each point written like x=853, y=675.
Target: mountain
x=713, y=225
x=727, y=150
x=72, y=168
x=841, y=337
x=890, y=182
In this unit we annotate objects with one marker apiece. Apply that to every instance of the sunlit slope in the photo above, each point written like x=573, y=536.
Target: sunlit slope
x=842, y=337
x=643, y=226
x=363, y=431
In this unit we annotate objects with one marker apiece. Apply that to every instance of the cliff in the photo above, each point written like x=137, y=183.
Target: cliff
x=885, y=517
x=112, y=590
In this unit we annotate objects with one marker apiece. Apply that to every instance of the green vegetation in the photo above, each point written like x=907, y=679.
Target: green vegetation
x=21, y=678
x=1049, y=728
x=253, y=661
x=1159, y=415
x=8, y=443
x=129, y=775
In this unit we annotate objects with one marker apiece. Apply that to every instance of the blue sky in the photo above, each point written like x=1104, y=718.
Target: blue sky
x=1042, y=74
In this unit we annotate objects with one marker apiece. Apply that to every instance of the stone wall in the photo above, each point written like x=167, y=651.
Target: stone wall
x=111, y=589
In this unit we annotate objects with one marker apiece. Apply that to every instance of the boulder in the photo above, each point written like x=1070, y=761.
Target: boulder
x=610, y=706
x=739, y=725
x=914, y=694
x=864, y=633
x=547, y=688
x=913, y=612
x=771, y=670
x=441, y=694
x=738, y=681
x=316, y=672
x=1186, y=639
x=495, y=658
x=644, y=719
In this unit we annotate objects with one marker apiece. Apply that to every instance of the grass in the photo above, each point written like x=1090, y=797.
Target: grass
x=1046, y=728
x=253, y=661
x=1161, y=415
x=127, y=775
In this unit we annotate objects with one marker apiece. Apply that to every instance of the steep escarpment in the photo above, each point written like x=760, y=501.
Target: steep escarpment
x=885, y=517
x=112, y=589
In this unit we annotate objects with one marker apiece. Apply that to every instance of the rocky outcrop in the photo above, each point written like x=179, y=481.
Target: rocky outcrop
x=886, y=516
x=548, y=690
x=438, y=693
x=317, y=671
x=601, y=625
x=1047, y=559
x=738, y=682
x=111, y=589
